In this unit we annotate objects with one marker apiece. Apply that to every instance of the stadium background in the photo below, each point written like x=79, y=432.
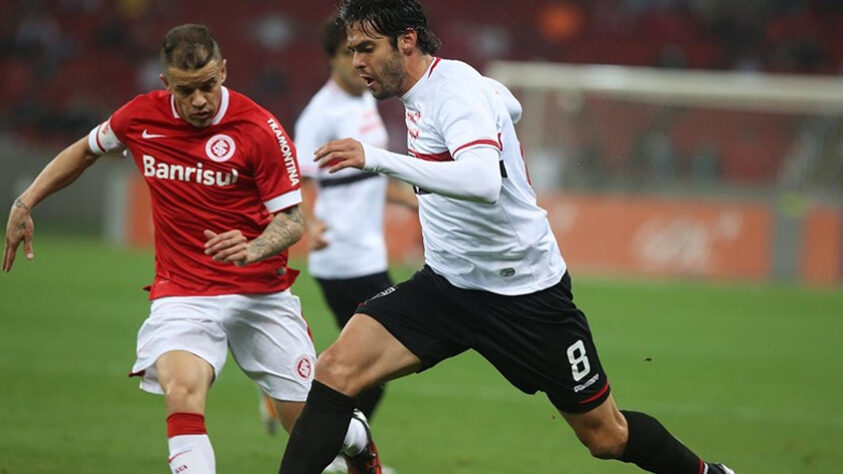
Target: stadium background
x=706, y=244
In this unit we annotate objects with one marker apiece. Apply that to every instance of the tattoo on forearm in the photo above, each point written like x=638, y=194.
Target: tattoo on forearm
x=22, y=205
x=285, y=230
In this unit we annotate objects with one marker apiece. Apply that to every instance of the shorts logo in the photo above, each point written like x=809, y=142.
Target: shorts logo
x=304, y=367
x=383, y=293
x=579, y=388
x=220, y=148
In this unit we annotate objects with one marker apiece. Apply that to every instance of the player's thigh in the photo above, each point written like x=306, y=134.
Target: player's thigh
x=188, y=324
x=364, y=355
x=406, y=327
x=541, y=342
x=271, y=343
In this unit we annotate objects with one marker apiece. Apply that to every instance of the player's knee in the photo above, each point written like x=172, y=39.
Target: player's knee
x=183, y=396
x=338, y=372
x=605, y=442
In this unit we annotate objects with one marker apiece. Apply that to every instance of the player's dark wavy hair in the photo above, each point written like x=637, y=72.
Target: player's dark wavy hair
x=189, y=47
x=390, y=18
x=333, y=35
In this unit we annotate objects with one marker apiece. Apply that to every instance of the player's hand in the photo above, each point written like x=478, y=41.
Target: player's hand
x=316, y=235
x=228, y=247
x=340, y=154
x=19, y=228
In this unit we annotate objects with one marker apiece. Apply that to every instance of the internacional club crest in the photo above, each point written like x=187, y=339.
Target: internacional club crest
x=304, y=367
x=220, y=148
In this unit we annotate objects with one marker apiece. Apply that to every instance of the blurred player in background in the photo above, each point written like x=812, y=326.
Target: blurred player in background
x=225, y=188
x=494, y=279
x=345, y=225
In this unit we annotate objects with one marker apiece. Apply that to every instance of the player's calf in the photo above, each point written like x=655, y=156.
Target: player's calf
x=319, y=432
x=652, y=448
x=607, y=442
x=603, y=429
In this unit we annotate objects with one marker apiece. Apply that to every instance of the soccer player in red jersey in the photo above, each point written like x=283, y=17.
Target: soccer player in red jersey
x=225, y=188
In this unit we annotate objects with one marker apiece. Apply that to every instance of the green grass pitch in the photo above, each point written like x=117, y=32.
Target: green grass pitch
x=747, y=374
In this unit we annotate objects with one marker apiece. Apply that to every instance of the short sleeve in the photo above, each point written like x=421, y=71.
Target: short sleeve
x=311, y=132
x=276, y=169
x=109, y=135
x=466, y=119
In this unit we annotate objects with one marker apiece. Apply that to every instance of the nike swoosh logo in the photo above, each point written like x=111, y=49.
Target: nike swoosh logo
x=169, y=460
x=146, y=134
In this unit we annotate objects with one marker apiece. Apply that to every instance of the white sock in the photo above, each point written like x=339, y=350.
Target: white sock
x=191, y=454
x=355, y=438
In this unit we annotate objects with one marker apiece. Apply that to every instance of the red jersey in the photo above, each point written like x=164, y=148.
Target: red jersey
x=232, y=175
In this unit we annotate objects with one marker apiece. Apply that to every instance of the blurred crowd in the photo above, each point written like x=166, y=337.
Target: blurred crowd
x=66, y=64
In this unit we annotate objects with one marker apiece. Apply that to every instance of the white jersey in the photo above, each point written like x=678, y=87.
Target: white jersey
x=506, y=247
x=350, y=202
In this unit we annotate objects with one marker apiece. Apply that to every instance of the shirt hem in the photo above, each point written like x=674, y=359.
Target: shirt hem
x=508, y=290
x=228, y=291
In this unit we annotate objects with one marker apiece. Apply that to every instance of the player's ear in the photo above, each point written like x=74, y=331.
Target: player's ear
x=165, y=81
x=223, y=71
x=407, y=41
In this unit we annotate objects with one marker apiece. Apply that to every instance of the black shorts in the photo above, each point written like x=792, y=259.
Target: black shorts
x=539, y=341
x=343, y=295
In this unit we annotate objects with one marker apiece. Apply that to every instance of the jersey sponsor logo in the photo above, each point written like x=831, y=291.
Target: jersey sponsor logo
x=187, y=174
x=220, y=148
x=286, y=151
x=147, y=135
x=304, y=367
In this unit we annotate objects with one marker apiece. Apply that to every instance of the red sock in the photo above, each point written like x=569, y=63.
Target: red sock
x=185, y=424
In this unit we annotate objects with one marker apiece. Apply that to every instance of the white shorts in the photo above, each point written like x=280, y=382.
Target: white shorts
x=267, y=335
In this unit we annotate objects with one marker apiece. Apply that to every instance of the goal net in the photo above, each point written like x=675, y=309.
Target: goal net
x=671, y=172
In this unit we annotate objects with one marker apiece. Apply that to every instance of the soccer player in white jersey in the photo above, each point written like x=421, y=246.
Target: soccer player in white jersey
x=345, y=222
x=225, y=190
x=494, y=279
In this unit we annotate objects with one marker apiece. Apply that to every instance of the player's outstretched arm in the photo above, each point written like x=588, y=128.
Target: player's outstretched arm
x=61, y=171
x=475, y=176
x=232, y=247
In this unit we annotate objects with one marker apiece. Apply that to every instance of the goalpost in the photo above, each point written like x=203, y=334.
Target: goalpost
x=729, y=90
x=620, y=103
x=677, y=172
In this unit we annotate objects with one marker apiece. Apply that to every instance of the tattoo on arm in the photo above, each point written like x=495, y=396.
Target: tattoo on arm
x=22, y=205
x=284, y=231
